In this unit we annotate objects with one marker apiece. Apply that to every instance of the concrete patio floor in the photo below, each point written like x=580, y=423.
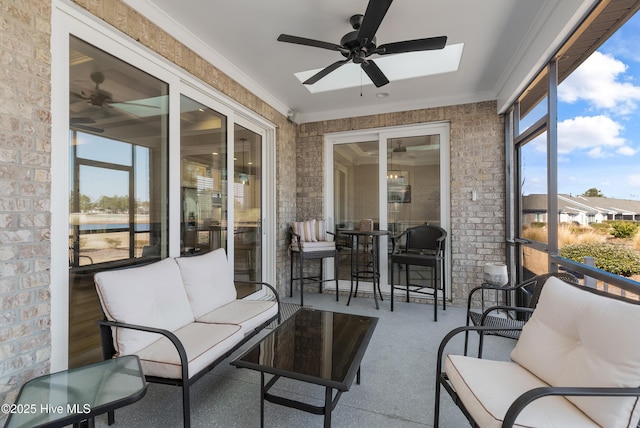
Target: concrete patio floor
x=397, y=387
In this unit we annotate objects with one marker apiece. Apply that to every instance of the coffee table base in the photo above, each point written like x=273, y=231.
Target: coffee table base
x=330, y=402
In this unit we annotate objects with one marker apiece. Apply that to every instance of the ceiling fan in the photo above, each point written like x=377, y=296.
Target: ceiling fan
x=101, y=98
x=360, y=44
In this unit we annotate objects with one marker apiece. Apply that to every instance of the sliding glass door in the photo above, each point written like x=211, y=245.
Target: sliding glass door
x=396, y=177
x=118, y=180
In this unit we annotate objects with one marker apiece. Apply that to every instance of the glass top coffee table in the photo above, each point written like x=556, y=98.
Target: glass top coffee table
x=71, y=396
x=318, y=347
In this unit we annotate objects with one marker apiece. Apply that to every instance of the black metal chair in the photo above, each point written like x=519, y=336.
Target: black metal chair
x=304, y=247
x=508, y=316
x=423, y=246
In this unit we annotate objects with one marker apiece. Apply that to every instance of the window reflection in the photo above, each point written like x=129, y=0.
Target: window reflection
x=203, y=150
x=118, y=180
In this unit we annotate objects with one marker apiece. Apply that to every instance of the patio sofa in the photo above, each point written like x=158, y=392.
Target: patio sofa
x=180, y=316
x=576, y=364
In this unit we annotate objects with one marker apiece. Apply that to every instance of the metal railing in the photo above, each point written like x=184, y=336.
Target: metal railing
x=598, y=278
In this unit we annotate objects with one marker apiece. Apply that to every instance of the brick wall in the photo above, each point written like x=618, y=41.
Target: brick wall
x=25, y=159
x=477, y=232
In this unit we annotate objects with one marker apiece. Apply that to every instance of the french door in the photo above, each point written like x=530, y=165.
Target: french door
x=398, y=177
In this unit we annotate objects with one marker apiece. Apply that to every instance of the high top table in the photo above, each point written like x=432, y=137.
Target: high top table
x=71, y=396
x=318, y=347
x=358, y=272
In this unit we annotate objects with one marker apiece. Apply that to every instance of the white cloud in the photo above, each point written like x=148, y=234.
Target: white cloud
x=634, y=180
x=595, y=134
x=596, y=81
x=627, y=151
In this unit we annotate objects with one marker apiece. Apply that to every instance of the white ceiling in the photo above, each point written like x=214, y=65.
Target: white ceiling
x=505, y=43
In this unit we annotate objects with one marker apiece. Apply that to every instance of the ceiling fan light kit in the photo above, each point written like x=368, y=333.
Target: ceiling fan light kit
x=358, y=45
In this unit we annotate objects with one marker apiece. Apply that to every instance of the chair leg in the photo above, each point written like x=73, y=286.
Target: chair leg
x=291, y=277
x=186, y=410
x=321, y=276
x=406, y=268
x=436, y=408
x=444, y=289
x=301, y=282
x=392, y=288
x=335, y=274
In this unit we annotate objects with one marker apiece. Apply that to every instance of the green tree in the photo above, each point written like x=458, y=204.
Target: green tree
x=593, y=192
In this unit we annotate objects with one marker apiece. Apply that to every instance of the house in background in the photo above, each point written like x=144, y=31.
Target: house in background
x=582, y=210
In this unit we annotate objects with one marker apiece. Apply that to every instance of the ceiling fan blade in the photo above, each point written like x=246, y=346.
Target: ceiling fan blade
x=322, y=73
x=375, y=74
x=376, y=10
x=88, y=128
x=77, y=120
x=431, y=43
x=310, y=42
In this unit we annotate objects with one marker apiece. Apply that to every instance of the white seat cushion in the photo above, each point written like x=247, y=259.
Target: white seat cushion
x=315, y=246
x=578, y=338
x=204, y=343
x=487, y=388
x=208, y=281
x=249, y=314
x=150, y=295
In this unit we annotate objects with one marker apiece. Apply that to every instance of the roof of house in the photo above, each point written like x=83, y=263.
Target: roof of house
x=581, y=204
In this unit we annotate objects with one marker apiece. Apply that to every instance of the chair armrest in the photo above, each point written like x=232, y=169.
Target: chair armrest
x=487, y=312
x=523, y=400
x=463, y=329
x=270, y=287
x=184, y=362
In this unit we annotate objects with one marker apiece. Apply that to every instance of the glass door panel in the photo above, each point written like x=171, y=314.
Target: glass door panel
x=203, y=152
x=247, y=201
x=413, y=190
x=118, y=169
x=413, y=182
x=356, y=177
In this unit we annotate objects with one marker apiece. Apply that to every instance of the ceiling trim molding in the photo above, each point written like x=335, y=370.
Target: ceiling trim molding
x=186, y=37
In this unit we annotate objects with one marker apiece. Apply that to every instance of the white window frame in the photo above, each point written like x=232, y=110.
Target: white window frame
x=69, y=19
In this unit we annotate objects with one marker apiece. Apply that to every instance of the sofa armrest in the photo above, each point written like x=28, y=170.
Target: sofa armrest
x=525, y=399
x=184, y=362
x=270, y=287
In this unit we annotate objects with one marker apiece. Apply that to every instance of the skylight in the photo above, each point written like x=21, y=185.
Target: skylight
x=395, y=67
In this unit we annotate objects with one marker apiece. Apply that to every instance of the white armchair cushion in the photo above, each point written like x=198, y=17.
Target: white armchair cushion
x=488, y=388
x=305, y=229
x=208, y=281
x=150, y=295
x=577, y=338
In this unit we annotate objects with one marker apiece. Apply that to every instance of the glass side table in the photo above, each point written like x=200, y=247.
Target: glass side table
x=71, y=396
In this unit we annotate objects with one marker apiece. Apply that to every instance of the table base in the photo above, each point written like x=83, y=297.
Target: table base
x=330, y=401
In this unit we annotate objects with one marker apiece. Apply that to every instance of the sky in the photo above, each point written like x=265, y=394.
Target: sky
x=598, y=124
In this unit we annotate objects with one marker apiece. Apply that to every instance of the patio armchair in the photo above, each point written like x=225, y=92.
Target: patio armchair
x=310, y=240
x=507, y=315
x=579, y=351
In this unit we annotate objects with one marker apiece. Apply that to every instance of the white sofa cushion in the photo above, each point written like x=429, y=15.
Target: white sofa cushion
x=249, y=314
x=487, y=388
x=204, y=343
x=150, y=295
x=577, y=338
x=208, y=281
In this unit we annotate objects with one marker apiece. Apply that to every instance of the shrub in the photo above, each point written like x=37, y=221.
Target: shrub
x=613, y=258
x=623, y=229
x=636, y=240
